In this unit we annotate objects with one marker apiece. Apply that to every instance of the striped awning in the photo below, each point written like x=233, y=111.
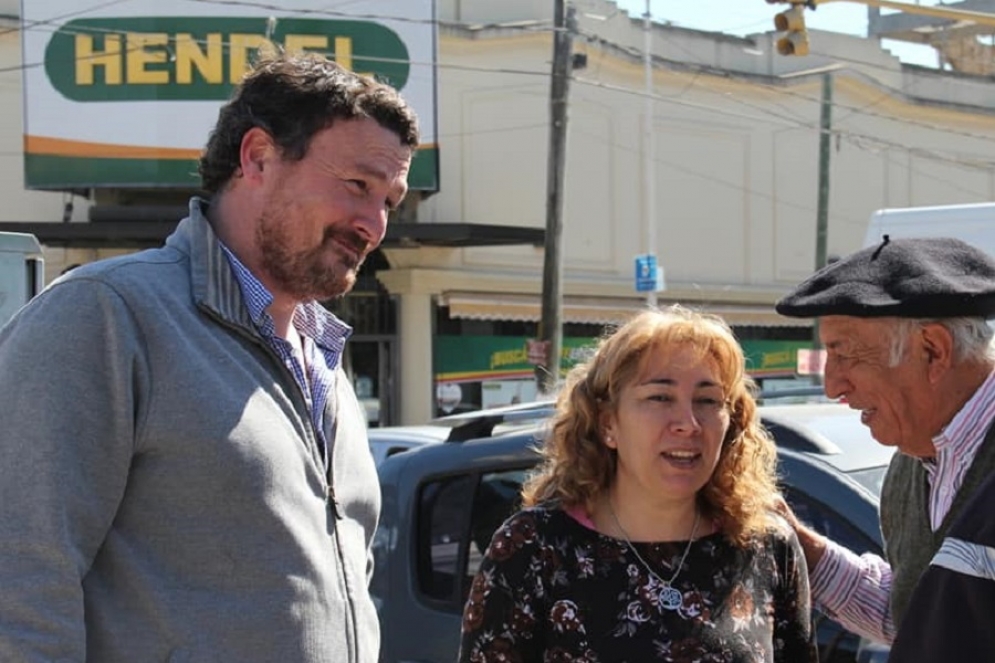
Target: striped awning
x=600, y=310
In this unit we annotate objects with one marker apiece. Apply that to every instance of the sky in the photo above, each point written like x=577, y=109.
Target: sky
x=742, y=17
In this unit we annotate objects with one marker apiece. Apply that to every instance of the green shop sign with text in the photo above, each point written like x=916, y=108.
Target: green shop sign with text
x=179, y=58
x=766, y=358
x=127, y=93
x=472, y=358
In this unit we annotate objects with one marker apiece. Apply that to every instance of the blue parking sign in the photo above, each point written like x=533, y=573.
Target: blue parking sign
x=649, y=278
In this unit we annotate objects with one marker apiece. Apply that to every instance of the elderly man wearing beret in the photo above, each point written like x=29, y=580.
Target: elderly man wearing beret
x=907, y=343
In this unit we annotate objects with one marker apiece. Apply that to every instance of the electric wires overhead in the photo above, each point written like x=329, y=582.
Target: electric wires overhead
x=702, y=79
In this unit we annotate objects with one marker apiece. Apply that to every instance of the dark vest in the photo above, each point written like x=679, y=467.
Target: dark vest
x=910, y=542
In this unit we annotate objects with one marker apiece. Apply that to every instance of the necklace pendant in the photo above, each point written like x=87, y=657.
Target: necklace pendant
x=670, y=598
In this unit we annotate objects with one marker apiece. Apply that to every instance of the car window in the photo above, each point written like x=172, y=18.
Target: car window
x=498, y=496
x=443, y=520
x=453, y=543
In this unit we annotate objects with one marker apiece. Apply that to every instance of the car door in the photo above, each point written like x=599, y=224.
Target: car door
x=441, y=506
x=443, y=503
x=839, y=508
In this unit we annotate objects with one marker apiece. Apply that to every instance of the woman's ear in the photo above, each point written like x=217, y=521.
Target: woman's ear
x=608, y=430
x=609, y=439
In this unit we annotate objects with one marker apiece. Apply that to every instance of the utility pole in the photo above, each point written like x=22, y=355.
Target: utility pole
x=649, y=148
x=550, y=326
x=822, y=215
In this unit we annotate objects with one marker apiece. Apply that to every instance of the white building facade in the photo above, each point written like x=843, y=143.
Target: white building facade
x=735, y=180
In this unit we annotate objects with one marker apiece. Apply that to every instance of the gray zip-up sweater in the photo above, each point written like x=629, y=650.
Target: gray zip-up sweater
x=161, y=493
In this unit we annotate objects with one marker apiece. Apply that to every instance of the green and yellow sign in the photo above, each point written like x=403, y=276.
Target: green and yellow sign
x=183, y=58
x=128, y=94
x=772, y=358
x=476, y=358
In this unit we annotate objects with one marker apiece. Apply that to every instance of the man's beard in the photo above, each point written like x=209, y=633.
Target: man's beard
x=319, y=273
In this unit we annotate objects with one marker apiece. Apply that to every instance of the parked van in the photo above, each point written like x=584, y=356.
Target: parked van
x=974, y=224
x=22, y=272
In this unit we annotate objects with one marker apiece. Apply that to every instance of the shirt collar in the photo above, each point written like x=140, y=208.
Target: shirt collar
x=311, y=319
x=967, y=426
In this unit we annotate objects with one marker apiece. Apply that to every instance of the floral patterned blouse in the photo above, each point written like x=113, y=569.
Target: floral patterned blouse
x=550, y=589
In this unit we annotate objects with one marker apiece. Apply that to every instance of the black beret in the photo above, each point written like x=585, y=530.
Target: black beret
x=905, y=278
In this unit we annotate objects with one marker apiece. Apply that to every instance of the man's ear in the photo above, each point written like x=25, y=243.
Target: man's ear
x=938, y=348
x=256, y=154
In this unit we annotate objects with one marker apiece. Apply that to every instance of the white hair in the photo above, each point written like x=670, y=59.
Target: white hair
x=974, y=338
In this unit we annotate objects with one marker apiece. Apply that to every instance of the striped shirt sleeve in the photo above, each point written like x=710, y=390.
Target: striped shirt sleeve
x=854, y=590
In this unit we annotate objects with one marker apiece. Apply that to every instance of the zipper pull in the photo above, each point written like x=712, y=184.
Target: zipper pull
x=335, y=503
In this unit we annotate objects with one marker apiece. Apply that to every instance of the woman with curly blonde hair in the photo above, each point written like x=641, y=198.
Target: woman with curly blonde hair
x=647, y=532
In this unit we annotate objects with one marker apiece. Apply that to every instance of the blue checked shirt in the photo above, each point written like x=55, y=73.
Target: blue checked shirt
x=323, y=337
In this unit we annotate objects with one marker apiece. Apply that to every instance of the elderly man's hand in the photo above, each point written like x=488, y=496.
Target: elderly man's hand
x=813, y=543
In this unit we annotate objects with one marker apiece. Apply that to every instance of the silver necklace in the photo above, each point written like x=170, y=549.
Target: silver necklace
x=670, y=598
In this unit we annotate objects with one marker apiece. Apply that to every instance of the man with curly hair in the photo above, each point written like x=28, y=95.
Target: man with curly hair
x=184, y=469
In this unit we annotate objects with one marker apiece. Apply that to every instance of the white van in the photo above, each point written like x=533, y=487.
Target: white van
x=22, y=272
x=974, y=224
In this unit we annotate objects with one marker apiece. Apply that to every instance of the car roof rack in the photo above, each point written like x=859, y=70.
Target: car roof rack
x=481, y=423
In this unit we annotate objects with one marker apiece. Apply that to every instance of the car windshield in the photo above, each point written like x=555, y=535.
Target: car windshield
x=841, y=426
x=852, y=448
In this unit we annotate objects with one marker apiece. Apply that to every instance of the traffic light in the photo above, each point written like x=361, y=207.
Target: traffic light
x=792, y=23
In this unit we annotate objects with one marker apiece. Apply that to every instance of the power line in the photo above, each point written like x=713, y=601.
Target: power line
x=784, y=121
x=631, y=50
x=772, y=117
x=44, y=25
x=849, y=134
x=863, y=111
x=711, y=178
x=534, y=26
x=227, y=44
x=62, y=16
x=955, y=185
x=884, y=95
x=679, y=102
x=695, y=80
x=635, y=52
x=496, y=130
x=256, y=4
x=538, y=26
